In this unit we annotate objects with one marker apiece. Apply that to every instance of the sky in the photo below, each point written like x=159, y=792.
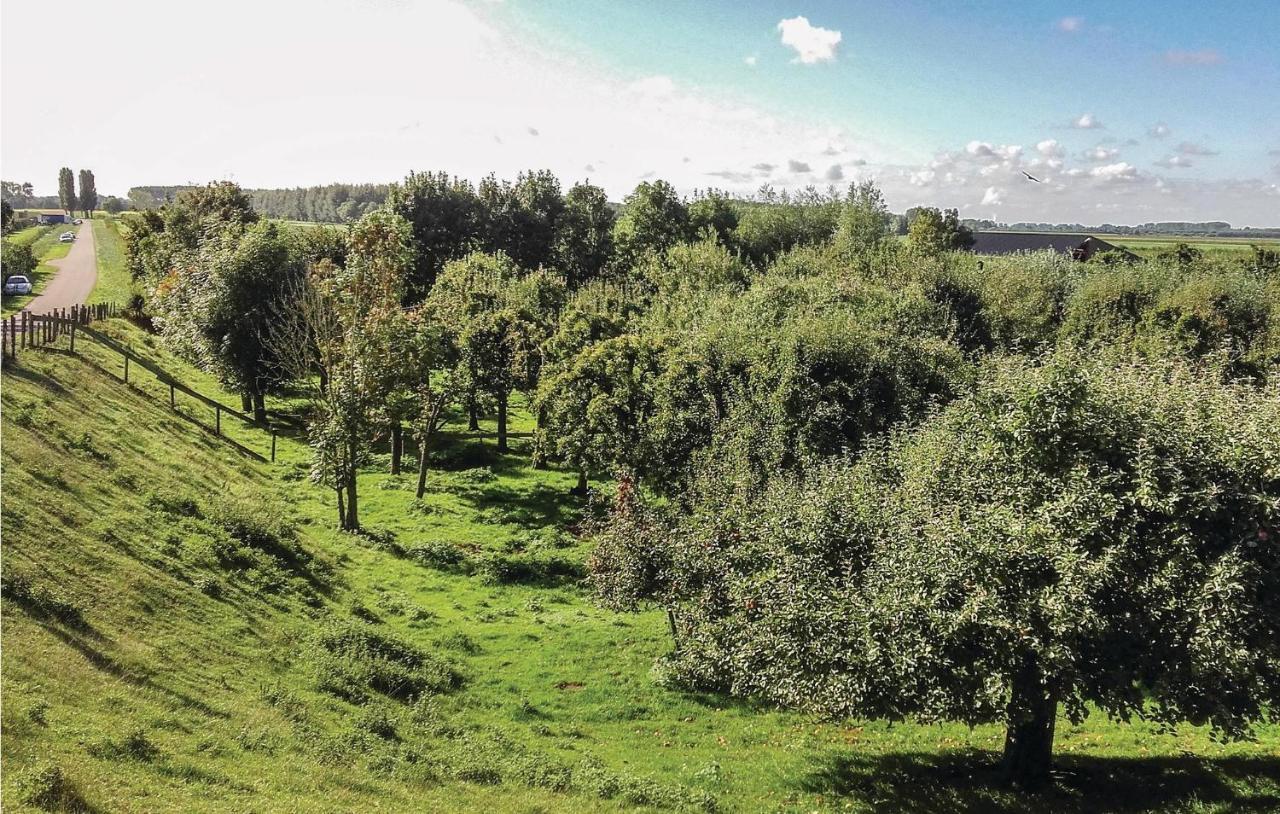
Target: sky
x=1123, y=112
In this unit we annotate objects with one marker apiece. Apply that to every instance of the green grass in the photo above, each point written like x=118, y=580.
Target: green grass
x=45, y=247
x=114, y=284
x=1219, y=247
x=31, y=234
x=142, y=615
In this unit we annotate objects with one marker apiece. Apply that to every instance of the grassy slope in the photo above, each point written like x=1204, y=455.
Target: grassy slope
x=45, y=247
x=114, y=284
x=551, y=680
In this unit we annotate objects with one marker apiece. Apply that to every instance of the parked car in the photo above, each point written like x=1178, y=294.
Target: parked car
x=67, y=237
x=17, y=284
x=78, y=221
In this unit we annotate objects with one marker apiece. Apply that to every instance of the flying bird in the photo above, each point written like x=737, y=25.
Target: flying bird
x=1032, y=177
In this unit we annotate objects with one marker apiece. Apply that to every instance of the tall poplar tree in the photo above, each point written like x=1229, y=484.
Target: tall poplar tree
x=88, y=193
x=67, y=189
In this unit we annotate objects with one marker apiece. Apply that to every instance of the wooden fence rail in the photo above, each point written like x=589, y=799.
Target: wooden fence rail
x=30, y=331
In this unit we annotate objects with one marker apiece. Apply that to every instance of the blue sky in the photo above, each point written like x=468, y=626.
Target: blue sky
x=939, y=103
x=930, y=76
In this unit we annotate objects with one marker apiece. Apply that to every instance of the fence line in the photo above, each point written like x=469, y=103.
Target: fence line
x=31, y=331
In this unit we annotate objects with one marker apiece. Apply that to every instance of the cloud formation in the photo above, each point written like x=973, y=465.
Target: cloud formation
x=1049, y=148
x=1191, y=148
x=1101, y=153
x=834, y=173
x=798, y=166
x=1159, y=130
x=1206, y=56
x=811, y=43
x=1070, y=25
x=1087, y=121
x=1175, y=162
x=992, y=197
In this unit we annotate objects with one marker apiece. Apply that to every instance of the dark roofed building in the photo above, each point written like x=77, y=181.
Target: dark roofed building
x=1080, y=247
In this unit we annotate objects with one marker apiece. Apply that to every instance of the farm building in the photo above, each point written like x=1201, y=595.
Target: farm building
x=1080, y=247
x=52, y=217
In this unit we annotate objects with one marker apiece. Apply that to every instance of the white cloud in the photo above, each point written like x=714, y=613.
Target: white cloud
x=1101, y=153
x=1086, y=121
x=751, y=60
x=992, y=197
x=1175, y=162
x=533, y=131
x=654, y=86
x=798, y=166
x=1205, y=56
x=1049, y=148
x=1120, y=171
x=764, y=167
x=987, y=151
x=834, y=173
x=1191, y=148
x=1159, y=130
x=921, y=178
x=811, y=43
x=1070, y=25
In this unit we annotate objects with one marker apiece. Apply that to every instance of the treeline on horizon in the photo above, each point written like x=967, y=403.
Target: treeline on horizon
x=347, y=203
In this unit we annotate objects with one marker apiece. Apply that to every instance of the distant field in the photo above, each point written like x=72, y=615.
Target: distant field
x=1152, y=245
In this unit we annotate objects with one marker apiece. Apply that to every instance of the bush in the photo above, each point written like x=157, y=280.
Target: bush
x=437, y=554
x=46, y=786
x=354, y=659
x=41, y=601
x=527, y=569
x=260, y=525
x=134, y=746
x=171, y=501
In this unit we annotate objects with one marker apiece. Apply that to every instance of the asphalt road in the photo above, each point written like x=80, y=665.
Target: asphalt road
x=77, y=272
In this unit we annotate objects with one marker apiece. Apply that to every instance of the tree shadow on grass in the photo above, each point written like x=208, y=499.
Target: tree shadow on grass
x=17, y=371
x=970, y=781
x=129, y=675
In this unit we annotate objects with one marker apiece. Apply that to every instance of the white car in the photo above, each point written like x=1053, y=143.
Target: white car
x=17, y=284
x=67, y=237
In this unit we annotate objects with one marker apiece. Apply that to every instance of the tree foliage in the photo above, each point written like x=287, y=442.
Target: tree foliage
x=1071, y=533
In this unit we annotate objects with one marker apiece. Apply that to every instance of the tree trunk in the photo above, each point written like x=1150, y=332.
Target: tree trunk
x=353, y=513
x=539, y=442
x=260, y=407
x=1028, y=744
x=581, y=488
x=502, y=422
x=342, y=511
x=422, y=469
x=473, y=414
x=397, y=447
x=246, y=401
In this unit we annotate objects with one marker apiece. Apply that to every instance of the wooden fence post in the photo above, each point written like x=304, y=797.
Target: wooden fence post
x=126, y=368
x=217, y=420
x=172, y=404
x=73, y=335
x=273, y=446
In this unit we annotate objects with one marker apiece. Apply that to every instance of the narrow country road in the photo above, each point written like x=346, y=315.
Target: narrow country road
x=77, y=272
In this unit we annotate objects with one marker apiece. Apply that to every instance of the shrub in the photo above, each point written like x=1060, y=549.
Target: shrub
x=260, y=525
x=437, y=554
x=133, y=746
x=527, y=569
x=171, y=501
x=377, y=721
x=47, y=786
x=41, y=601
x=354, y=659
